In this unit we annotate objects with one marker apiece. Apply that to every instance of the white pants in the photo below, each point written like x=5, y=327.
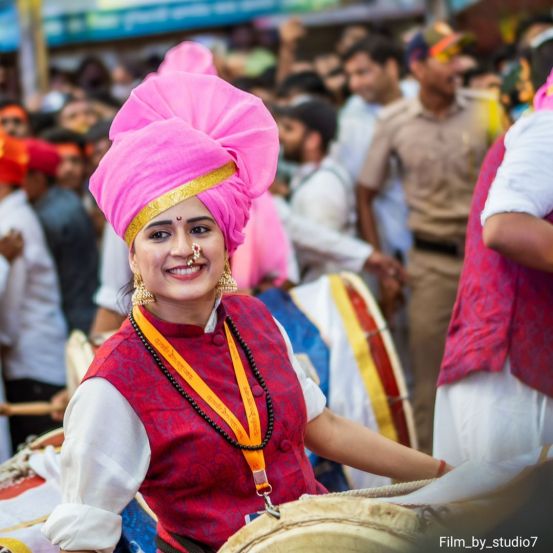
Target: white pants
x=489, y=417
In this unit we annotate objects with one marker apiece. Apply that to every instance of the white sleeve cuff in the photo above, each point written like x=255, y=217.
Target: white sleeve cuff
x=509, y=205
x=111, y=299
x=77, y=527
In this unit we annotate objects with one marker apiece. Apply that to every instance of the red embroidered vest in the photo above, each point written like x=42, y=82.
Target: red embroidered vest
x=503, y=309
x=198, y=485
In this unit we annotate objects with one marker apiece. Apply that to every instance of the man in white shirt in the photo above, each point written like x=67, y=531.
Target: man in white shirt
x=321, y=190
x=32, y=327
x=373, y=68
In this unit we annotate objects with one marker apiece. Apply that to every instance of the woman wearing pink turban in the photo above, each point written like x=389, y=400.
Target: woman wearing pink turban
x=197, y=401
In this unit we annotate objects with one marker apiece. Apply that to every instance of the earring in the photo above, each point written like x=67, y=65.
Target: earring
x=141, y=295
x=226, y=283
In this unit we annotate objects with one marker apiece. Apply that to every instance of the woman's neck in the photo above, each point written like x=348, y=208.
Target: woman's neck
x=189, y=312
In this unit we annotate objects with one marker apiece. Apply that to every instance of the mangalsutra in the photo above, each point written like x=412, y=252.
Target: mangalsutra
x=196, y=251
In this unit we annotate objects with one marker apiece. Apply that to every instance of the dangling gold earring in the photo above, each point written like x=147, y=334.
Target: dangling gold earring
x=141, y=295
x=226, y=283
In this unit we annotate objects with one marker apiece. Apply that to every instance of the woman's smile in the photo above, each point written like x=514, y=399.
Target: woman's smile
x=185, y=272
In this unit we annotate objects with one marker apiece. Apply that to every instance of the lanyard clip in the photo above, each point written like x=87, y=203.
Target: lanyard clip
x=270, y=509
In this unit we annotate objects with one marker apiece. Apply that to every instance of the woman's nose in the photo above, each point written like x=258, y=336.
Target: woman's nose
x=182, y=244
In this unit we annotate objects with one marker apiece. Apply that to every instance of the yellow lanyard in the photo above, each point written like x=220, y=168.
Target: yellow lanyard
x=255, y=459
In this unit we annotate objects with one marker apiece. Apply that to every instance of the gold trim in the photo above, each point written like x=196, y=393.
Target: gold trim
x=173, y=197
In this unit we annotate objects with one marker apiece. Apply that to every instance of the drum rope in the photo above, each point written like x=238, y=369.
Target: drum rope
x=15, y=469
x=393, y=490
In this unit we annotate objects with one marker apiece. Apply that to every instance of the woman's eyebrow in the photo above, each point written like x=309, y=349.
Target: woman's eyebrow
x=159, y=223
x=198, y=219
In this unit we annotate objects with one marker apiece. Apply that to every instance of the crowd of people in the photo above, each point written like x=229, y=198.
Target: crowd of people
x=381, y=143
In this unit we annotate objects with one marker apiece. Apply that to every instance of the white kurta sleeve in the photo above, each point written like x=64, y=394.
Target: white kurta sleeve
x=348, y=252
x=115, y=272
x=315, y=400
x=104, y=460
x=4, y=271
x=11, y=301
x=524, y=180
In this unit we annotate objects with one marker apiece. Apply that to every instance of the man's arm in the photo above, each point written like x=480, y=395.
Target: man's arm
x=372, y=178
x=521, y=195
x=290, y=32
x=521, y=237
x=367, y=222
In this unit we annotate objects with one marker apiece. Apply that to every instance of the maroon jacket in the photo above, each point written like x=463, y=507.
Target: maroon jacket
x=198, y=485
x=503, y=309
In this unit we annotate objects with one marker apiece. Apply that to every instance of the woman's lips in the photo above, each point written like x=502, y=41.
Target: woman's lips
x=185, y=273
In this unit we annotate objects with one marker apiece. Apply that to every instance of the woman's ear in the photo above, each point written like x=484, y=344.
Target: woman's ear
x=132, y=259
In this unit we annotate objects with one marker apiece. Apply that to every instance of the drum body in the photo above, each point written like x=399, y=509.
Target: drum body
x=345, y=524
x=29, y=492
x=352, y=351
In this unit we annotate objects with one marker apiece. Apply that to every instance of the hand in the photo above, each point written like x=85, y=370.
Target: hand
x=11, y=245
x=391, y=297
x=5, y=410
x=59, y=401
x=291, y=31
x=385, y=267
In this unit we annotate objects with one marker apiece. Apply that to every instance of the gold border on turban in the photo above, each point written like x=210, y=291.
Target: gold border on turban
x=177, y=195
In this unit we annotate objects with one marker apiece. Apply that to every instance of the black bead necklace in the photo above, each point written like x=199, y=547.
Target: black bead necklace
x=192, y=401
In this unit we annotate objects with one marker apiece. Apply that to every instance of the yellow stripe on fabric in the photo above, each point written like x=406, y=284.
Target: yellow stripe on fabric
x=367, y=368
x=177, y=195
x=22, y=525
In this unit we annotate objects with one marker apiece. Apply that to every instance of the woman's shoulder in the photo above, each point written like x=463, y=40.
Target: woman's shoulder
x=244, y=304
x=121, y=347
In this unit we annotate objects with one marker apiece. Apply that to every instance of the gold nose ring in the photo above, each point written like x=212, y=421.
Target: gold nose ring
x=196, y=251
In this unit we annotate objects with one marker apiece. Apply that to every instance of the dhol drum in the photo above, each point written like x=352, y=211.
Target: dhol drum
x=336, y=322
x=29, y=492
x=329, y=523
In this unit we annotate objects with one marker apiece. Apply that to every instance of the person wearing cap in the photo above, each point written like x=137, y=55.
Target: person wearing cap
x=32, y=327
x=321, y=190
x=496, y=378
x=69, y=233
x=439, y=139
x=161, y=407
x=14, y=119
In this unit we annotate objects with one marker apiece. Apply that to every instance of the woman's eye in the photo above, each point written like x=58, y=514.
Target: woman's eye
x=159, y=234
x=199, y=230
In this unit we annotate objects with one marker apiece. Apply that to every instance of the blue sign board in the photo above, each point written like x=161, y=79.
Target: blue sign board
x=151, y=18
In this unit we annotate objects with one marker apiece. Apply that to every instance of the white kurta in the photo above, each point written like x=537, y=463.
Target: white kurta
x=310, y=238
x=31, y=320
x=102, y=472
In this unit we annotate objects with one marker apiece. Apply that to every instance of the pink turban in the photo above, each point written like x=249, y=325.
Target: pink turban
x=544, y=96
x=190, y=57
x=181, y=135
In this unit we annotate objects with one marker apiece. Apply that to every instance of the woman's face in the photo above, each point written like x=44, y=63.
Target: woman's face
x=162, y=249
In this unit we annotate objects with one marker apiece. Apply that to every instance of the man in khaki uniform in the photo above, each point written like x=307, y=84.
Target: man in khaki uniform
x=439, y=140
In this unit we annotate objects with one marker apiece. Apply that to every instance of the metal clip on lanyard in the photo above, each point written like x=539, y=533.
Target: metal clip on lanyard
x=263, y=489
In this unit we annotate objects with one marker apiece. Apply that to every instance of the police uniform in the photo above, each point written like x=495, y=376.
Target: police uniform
x=439, y=159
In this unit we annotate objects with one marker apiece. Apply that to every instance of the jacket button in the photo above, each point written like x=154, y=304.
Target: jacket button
x=285, y=445
x=257, y=390
x=218, y=339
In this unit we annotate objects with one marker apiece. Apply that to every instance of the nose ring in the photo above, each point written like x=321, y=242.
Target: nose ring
x=196, y=251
